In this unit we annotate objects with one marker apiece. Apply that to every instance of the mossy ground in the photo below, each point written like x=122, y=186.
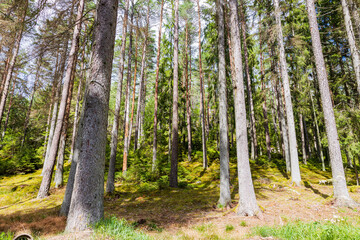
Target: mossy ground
x=189, y=212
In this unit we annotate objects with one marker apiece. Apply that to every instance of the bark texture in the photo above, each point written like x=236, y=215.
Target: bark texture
x=341, y=193
x=87, y=203
x=295, y=169
x=247, y=200
x=225, y=197
x=175, y=115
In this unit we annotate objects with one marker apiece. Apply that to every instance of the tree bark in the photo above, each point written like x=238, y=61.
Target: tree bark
x=61, y=152
x=187, y=85
x=115, y=127
x=248, y=81
x=247, y=201
x=48, y=168
x=127, y=95
x=87, y=201
x=11, y=66
x=351, y=38
x=175, y=115
x=154, y=162
x=303, y=147
x=142, y=83
x=9, y=108
x=225, y=197
x=341, y=193
x=202, y=103
x=295, y=169
x=57, y=78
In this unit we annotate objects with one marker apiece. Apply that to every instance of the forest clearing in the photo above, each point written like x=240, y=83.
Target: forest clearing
x=180, y=119
x=189, y=212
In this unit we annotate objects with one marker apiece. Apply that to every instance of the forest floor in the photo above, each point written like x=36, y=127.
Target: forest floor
x=184, y=213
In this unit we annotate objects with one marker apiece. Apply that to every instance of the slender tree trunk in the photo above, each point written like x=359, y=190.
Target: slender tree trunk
x=127, y=95
x=248, y=81
x=9, y=108
x=284, y=131
x=115, y=127
x=225, y=197
x=141, y=87
x=128, y=138
x=354, y=11
x=303, y=145
x=317, y=136
x=351, y=38
x=61, y=152
x=264, y=108
x=175, y=115
x=48, y=168
x=57, y=78
x=77, y=106
x=247, y=200
x=307, y=139
x=11, y=66
x=348, y=158
x=341, y=193
x=154, y=162
x=202, y=103
x=87, y=204
x=187, y=85
x=295, y=169
x=27, y=119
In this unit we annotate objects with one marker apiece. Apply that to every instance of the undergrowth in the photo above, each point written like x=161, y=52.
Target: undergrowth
x=328, y=230
x=118, y=229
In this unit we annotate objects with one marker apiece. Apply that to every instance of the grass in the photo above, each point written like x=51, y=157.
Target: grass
x=118, y=229
x=328, y=230
x=6, y=236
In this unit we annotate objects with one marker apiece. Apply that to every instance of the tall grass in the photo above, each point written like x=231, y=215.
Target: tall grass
x=328, y=230
x=118, y=229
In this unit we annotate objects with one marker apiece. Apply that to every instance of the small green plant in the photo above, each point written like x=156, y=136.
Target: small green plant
x=204, y=227
x=329, y=230
x=118, y=229
x=6, y=236
x=229, y=228
x=243, y=224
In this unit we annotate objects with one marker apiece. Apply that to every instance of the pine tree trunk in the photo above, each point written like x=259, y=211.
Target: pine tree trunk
x=295, y=169
x=202, y=103
x=264, y=108
x=141, y=87
x=225, y=197
x=77, y=107
x=341, y=193
x=128, y=138
x=9, y=108
x=187, y=85
x=351, y=38
x=175, y=115
x=87, y=204
x=356, y=171
x=354, y=11
x=127, y=96
x=283, y=129
x=253, y=136
x=115, y=127
x=71, y=63
x=247, y=201
x=57, y=78
x=348, y=158
x=61, y=152
x=303, y=147
x=317, y=136
x=154, y=161
x=11, y=65
x=27, y=119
